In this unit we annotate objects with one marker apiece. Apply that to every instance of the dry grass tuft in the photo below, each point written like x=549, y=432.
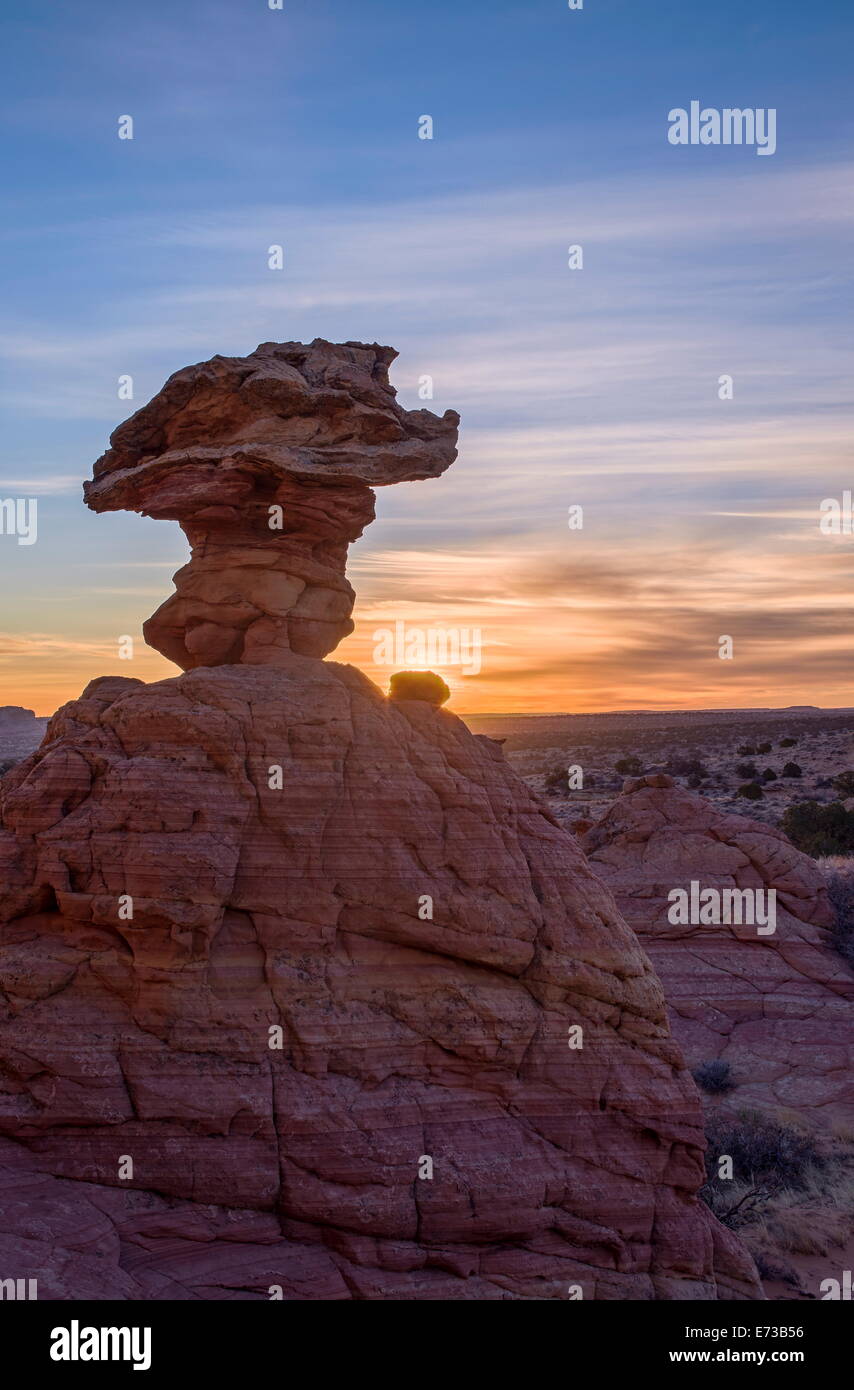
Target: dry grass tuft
x=792, y=1190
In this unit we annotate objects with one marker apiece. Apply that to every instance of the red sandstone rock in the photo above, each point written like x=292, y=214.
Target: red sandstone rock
x=403, y=1036
x=251, y=853
x=777, y=1007
x=268, y=462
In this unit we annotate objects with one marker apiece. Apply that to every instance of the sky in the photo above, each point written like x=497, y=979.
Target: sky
x=596, y=387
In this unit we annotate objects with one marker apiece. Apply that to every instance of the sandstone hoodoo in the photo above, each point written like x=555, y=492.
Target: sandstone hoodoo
x=268, y=462
x=737, y=923
x=302, y=988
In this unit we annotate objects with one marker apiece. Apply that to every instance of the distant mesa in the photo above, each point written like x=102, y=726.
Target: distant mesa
x=418, y=685
x=15, y=717
x=20, y=732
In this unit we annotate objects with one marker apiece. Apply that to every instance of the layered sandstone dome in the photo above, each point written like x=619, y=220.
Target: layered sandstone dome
x=776, y=1006
x=317, y=961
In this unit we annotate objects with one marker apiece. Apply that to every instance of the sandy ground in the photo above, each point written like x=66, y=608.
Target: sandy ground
x=537, y=745
x=811, y=1271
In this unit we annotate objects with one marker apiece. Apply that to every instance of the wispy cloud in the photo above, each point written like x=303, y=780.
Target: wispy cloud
x=597, y=387
x=41, y=483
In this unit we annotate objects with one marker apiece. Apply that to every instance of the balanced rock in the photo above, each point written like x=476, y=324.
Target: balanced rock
x=301, y=985
x=776, y=1005
x=418, y=685
x=268, y=462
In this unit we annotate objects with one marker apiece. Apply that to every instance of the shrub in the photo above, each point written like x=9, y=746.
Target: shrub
x=762, y=1150
x=789, y=1191
x=788, y=742
x=752, y=791
x=418, y=685
x=695, y=780
x=763, y=747
x=792, y=770
x=819, y=829
x=685, y=766
x=844, y=784
x=840, y=888
x=745, y=750
x=629, y=767
x=769, y=775
x=748, y=770
x=557, y=782
x=714, y=1076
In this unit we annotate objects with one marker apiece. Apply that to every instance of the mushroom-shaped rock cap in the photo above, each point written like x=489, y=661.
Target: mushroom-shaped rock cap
x=268, y=462
x=320, y=413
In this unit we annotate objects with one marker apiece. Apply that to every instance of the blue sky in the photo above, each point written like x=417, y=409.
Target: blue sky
x=299, y=127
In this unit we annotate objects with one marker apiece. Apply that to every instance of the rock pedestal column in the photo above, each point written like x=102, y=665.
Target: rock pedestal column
x=294, y=438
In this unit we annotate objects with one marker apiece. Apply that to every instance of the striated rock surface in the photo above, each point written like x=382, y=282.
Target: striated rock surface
x=777, y=1007
x=301, y=986
x=403, y=1037
x=268, y=462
